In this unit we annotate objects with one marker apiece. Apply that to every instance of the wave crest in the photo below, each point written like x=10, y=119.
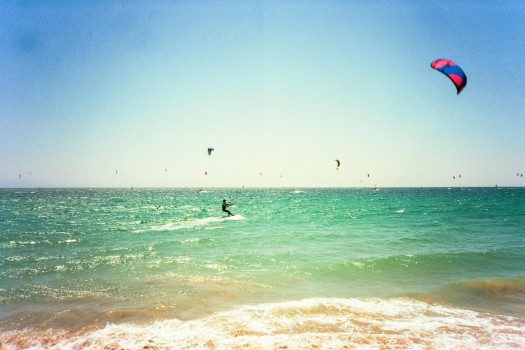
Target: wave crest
x=318, y=323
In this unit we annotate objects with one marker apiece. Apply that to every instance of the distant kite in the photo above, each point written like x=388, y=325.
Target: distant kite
x=452, y=71
x=338, y=163
x=210, y=150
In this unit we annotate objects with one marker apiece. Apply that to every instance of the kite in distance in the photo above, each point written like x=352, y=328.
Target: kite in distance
x=210, y=150
x=338, y=163
x=452, y=71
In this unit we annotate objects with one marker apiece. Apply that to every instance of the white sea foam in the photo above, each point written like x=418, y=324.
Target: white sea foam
x=181, y=225
x=312, y=324
x=190, y=240
x=68, y=241
x=234, y=218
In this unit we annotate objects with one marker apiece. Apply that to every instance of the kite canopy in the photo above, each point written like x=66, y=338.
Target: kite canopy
x=338, y=163
x=452, y=71
x=210, y=150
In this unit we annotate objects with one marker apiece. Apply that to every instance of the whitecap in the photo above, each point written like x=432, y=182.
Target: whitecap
x=321, y=323
x=68, y=241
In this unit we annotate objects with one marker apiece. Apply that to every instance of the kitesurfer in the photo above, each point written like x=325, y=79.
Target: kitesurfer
x=225, y=206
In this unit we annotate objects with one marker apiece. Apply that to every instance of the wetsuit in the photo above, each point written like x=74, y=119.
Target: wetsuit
x=224, y=206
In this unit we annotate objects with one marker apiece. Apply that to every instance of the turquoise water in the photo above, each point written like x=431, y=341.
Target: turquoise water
x=403, y=268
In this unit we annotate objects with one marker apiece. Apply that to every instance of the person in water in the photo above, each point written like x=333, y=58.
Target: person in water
x=225, y=207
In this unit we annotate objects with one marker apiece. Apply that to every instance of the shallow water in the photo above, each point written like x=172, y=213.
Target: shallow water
x=405, y=268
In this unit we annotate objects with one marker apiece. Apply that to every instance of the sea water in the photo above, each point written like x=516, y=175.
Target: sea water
x=414, y=268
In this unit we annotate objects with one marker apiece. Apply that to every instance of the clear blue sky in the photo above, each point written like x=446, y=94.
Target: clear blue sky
x=278, y=88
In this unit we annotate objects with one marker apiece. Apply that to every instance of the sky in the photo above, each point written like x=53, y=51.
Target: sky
x=132, y=93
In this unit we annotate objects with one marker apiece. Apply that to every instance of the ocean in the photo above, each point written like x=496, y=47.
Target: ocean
x=388, y=268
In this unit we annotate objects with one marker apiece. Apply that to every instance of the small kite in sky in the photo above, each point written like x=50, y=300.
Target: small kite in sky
x=210, y=150
x=452, y=71
x=338, y=163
